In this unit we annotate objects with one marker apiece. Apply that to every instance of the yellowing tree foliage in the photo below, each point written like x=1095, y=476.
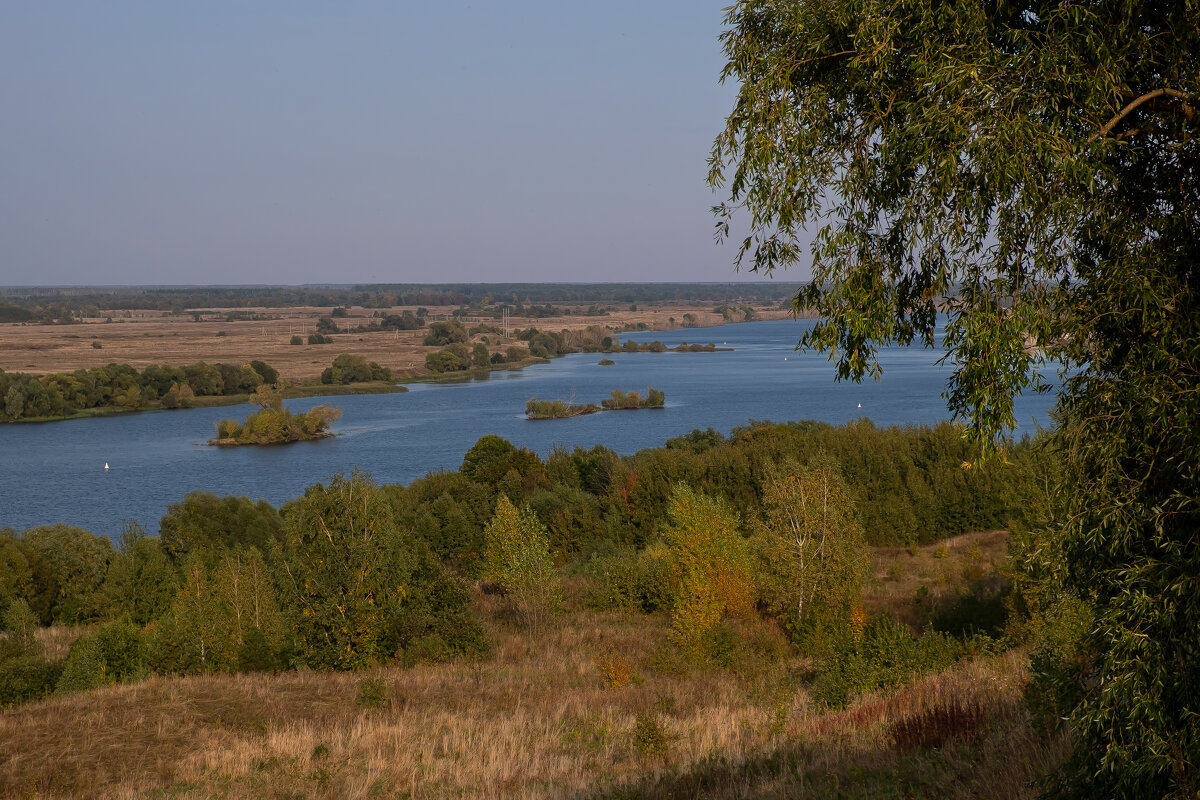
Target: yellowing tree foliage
x=517, y=557
x=712, y=574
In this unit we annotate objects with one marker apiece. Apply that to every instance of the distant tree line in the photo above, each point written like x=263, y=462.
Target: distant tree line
x=24, y=396
x=53, y=304
x=122, y=387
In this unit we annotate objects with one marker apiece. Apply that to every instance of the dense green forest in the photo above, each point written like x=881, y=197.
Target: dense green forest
x=353, y=573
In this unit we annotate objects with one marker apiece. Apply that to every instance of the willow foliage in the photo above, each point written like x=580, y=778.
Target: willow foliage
x=1031, y=170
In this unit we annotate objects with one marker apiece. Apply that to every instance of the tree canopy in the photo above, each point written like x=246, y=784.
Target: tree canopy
x=1031, y=171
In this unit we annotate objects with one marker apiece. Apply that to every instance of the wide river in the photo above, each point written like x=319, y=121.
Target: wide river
x=54, y=472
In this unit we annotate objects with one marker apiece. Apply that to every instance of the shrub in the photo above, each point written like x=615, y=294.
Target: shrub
x=427, y=649
x=632, y=580
x=372, y=693
x=982, y=609
x=614, y=669
x=934, y=727
x=123, y=649
x=886, y=655
x=297, y=339
x=651, y=740
x=255, y=653
x=116, y=653
x=21, y=626
x=27, y=678
x=83, y=668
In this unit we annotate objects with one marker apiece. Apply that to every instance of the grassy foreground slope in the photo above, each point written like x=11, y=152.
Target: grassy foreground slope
x=597, y=705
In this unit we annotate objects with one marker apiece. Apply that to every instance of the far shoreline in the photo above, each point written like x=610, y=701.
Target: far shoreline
x=398, y=385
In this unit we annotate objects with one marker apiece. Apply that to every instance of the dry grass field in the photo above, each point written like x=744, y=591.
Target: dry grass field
x=595, y=706
x=142, y=338
x=908, y=582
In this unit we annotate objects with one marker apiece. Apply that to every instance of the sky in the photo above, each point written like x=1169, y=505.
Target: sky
x=325, y=142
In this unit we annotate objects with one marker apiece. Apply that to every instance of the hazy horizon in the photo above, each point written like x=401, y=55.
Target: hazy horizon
x=301, y=143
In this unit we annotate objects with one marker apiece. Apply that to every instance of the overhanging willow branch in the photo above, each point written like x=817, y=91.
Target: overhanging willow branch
x=1133, y=104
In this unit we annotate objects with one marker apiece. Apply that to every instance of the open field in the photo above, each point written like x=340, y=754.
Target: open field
x=909, y=583
x=537, y=721
x=141, y=338
x=595, y=706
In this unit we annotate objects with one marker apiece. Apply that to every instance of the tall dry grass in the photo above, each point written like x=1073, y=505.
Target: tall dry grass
x=908, y=583
x=540, y=719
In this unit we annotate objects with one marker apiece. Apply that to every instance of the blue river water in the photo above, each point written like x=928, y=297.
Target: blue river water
x=54, y=472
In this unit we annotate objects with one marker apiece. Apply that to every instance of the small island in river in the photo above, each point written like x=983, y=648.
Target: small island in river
x=627, y=401
x=617, y=401
x=557, y=409
x=274, y=424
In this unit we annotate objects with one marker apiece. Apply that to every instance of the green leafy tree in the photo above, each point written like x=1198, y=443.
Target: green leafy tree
x=209, y=525
x=16, y=578
x=492, y=457
x=348, y=368
x=178, y=396
x=141, y=581
x=25, y=674
x=1032, y=179
x=198, y=628
x=444, y=333
x=265, y=371
x=810, y=552
x=224, y=617
x=347, y=568
x=20, y=628
x=68, y=566
x=518, y=558
x=480, y=357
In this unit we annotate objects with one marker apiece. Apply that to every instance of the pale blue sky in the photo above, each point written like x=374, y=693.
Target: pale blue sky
x=302, y=142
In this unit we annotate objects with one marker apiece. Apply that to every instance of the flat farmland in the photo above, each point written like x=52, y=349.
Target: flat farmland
x=236, y=336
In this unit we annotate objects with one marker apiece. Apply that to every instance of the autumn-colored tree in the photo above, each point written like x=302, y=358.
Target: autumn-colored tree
x=268, y=395
x=809, y=550
x=711, y=569
x=518, y=557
